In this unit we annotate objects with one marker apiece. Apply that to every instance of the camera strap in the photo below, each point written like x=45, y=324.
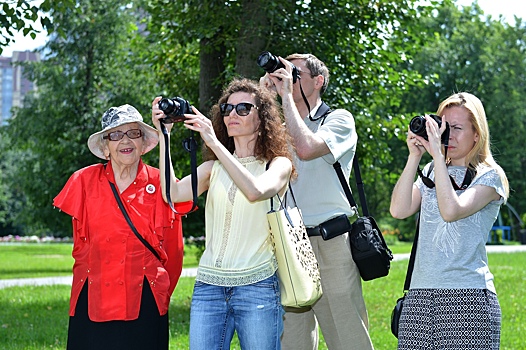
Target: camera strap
x=190, y=145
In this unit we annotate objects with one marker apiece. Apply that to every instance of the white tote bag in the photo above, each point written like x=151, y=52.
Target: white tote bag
x=298, y=270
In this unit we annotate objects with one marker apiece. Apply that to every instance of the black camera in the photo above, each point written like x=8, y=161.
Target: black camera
x=271, y=63
x=174, y=109
x=418, y=126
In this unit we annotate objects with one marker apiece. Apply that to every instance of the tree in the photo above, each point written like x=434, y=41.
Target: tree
x=86, y=71
x=192, y=49
x=363, y=43
x=22, y=16
x=467, y=52
x=17, y=16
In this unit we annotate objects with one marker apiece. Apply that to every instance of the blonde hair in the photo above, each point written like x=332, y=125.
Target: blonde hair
x=480, y=154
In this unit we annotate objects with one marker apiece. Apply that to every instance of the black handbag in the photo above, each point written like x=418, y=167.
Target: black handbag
x=397, y=310
x=368, y=247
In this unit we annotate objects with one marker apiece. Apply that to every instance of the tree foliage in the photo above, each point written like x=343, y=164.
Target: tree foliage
x=362, y=42
x=466, y=51
x=389, y=60
x=85, y=72
x=22, y=16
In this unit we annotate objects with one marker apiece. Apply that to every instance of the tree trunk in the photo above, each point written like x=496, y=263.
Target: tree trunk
x=211, y=65
x=253, y=34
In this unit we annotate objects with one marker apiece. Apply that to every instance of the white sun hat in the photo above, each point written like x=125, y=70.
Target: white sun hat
x=117, y=116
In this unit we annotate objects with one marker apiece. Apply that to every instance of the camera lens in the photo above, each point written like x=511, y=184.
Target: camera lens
x=418, y=125
x=269, y=62
x=168, y=106
x=263, y=59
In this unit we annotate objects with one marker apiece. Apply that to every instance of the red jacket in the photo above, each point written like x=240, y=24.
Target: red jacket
x=108, y=255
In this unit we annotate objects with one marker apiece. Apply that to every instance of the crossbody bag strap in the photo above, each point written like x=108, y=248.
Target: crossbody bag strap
x=123, y=210
x=411, y=264
x=359, y=183
x=323, y=111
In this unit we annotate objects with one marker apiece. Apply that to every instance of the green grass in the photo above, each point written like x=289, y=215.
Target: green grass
x=24, y=260
x=36, y=317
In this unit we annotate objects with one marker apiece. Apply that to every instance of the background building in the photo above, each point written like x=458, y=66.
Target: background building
x=13, y=85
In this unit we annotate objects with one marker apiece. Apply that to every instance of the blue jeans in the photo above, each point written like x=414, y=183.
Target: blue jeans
x=254, y=311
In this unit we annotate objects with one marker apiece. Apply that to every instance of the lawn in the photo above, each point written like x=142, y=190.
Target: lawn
x=36, y=317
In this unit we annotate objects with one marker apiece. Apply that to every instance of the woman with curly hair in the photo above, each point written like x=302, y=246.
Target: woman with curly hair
x=247, y=161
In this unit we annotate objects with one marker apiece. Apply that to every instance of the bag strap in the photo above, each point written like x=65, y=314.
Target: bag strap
x=123, y=210
x=323, y=111
x=359, y=183
x=282, y=203
x=190, y=145
x=411, y=264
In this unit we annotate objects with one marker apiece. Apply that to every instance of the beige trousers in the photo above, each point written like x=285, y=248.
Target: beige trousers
x=340, y=312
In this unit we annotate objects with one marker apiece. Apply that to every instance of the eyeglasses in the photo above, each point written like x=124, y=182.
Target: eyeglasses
x=242, y=109
x=118, y=135
x=309, y=73
x=468, y=177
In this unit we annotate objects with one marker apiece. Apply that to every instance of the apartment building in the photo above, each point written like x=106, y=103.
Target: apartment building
x=13, y=85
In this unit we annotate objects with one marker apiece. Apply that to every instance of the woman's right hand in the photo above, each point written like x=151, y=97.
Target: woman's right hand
x=203, y=125
x=157, y=114
x=415, y=144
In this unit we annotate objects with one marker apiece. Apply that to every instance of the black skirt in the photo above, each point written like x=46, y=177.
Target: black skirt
x=149, y=331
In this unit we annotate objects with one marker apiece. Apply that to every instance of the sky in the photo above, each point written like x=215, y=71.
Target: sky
x=507, y=8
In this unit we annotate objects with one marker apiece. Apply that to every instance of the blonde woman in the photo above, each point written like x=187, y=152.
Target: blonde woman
x=452, y=301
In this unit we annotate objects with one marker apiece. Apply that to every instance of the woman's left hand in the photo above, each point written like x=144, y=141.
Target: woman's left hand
x=434, y=135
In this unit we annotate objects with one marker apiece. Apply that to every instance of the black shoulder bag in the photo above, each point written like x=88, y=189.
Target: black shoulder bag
x=121, y=206
x=368, y=247
x=397, y=311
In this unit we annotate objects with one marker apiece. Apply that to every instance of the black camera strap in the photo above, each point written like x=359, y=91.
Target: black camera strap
x=190, y=145
x=322, y=111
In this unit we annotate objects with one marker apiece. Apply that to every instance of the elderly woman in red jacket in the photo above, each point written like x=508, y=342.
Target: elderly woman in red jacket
x=121, y=288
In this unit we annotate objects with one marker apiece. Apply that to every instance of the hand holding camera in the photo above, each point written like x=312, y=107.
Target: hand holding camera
x=418, y=126
x=270, y=63
x=174, y=109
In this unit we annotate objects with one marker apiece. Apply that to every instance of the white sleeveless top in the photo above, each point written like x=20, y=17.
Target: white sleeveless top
x=238, y=246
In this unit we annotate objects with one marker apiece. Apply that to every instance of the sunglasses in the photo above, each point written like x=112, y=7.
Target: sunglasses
x=468, y=177
x=242, y=109
x=118, y=135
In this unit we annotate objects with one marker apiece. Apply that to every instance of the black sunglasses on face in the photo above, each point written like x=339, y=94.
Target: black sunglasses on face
x=118, y=135
x=242, y=109
x=468, y=177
